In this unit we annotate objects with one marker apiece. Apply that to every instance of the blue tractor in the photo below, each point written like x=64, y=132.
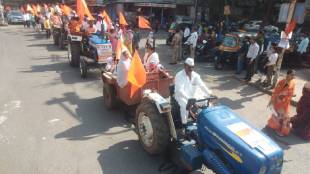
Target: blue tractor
x=214, y=137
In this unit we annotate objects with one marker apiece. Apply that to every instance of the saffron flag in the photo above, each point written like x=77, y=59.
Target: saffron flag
x=38, y=8
x=34, y=9
x=144, y=23
x=122, y=20
x=29, y=9
x=107, y=18
x=82, y=9
x=118, y=49
x=66, y=10
x=136, y=74
x=290, y=27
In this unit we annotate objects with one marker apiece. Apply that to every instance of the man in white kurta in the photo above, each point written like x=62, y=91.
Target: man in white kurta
x=187, y=85
x=122, y=68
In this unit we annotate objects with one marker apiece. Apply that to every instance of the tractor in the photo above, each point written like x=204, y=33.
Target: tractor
x=88, y=52
x=214, y=136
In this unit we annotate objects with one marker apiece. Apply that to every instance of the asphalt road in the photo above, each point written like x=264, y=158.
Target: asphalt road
x=52, y=122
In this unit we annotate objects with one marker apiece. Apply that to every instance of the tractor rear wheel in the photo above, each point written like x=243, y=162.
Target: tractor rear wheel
x=109, y=96
x=74, y=53
x=153, y=129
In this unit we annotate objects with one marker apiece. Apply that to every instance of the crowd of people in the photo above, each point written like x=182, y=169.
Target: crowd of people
x=257, y=54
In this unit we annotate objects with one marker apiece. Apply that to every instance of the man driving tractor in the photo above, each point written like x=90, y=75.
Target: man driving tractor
x=187, y=82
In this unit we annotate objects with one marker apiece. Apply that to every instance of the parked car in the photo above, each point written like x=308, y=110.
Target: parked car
x=15, y=17
x=253, y=25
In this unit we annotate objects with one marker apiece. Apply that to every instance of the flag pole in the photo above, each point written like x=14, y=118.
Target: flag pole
x=280, y=58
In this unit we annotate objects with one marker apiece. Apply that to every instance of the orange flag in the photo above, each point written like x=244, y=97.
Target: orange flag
x=66, y=10
x=136, y=74
x=82, y=9
x=122, y=20
x=107, y=17
x=34, y=9
x=29, y=9
x=38, y=8
x=144, y=23
x=290, y=27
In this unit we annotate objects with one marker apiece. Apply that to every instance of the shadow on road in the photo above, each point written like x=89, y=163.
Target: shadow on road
x=48, y=46
x=93, y=117
x=284, y=142
x=120, y=158
x=68, y=74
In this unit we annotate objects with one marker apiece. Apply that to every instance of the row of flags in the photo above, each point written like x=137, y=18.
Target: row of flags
x=136, y=74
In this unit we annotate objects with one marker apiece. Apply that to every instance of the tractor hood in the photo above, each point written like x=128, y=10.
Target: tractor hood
x=246, y=148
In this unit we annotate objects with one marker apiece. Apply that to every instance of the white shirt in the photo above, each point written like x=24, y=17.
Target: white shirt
x=187, y=32
x=272, y=59
x=193, y=39
x=149, y=61
x=85, y=25
x=186, y=88
x=122, y=69
x=253, y=51
x=98, y=26
x=26, y=16
x=302, y=47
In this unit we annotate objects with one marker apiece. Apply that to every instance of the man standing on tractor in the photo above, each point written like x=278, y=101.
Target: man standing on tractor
x=187, y=84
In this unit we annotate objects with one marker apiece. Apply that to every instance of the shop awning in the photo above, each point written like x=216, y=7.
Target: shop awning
x=155, y=5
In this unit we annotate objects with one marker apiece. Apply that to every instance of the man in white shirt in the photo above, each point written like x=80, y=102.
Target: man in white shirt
x=122, y=68
x=101, y=24
x=188, y=84
x=271, y=64
x=250, y=58
x=187, y=32
x=85, y=24
x=151, y=59
x=192, y=41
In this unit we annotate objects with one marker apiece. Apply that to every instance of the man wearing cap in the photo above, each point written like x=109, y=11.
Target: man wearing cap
x=187, y=84
x=101, y=24
x=122, y=68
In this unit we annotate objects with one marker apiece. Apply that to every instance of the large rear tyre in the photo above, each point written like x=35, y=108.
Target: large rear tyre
x=74, y=54
x=109, y=96
x=56, y=39
x=61, y=42
x=83, y=68
x=153, y=129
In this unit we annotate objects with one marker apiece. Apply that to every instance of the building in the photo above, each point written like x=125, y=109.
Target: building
x=155, y=10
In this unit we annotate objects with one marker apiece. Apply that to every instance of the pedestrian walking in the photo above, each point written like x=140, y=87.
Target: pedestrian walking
x=242, y=54
x=176, y=46
x=271, y=65
x=280, y=105
x=47, y=27
x=250, y=59
x=192, y=41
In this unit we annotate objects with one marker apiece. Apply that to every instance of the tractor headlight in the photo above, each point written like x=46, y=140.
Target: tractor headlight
x=262, y=170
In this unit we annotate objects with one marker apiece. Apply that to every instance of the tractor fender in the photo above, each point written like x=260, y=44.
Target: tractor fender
x=161, y=103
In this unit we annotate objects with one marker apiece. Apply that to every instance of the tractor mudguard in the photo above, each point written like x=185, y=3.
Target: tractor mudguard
x=161, y=103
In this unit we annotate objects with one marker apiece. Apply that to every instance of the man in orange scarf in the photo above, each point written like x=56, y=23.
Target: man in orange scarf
x=280, y=104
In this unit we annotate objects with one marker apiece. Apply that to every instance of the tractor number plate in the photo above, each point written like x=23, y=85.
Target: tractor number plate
x=104, y=52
